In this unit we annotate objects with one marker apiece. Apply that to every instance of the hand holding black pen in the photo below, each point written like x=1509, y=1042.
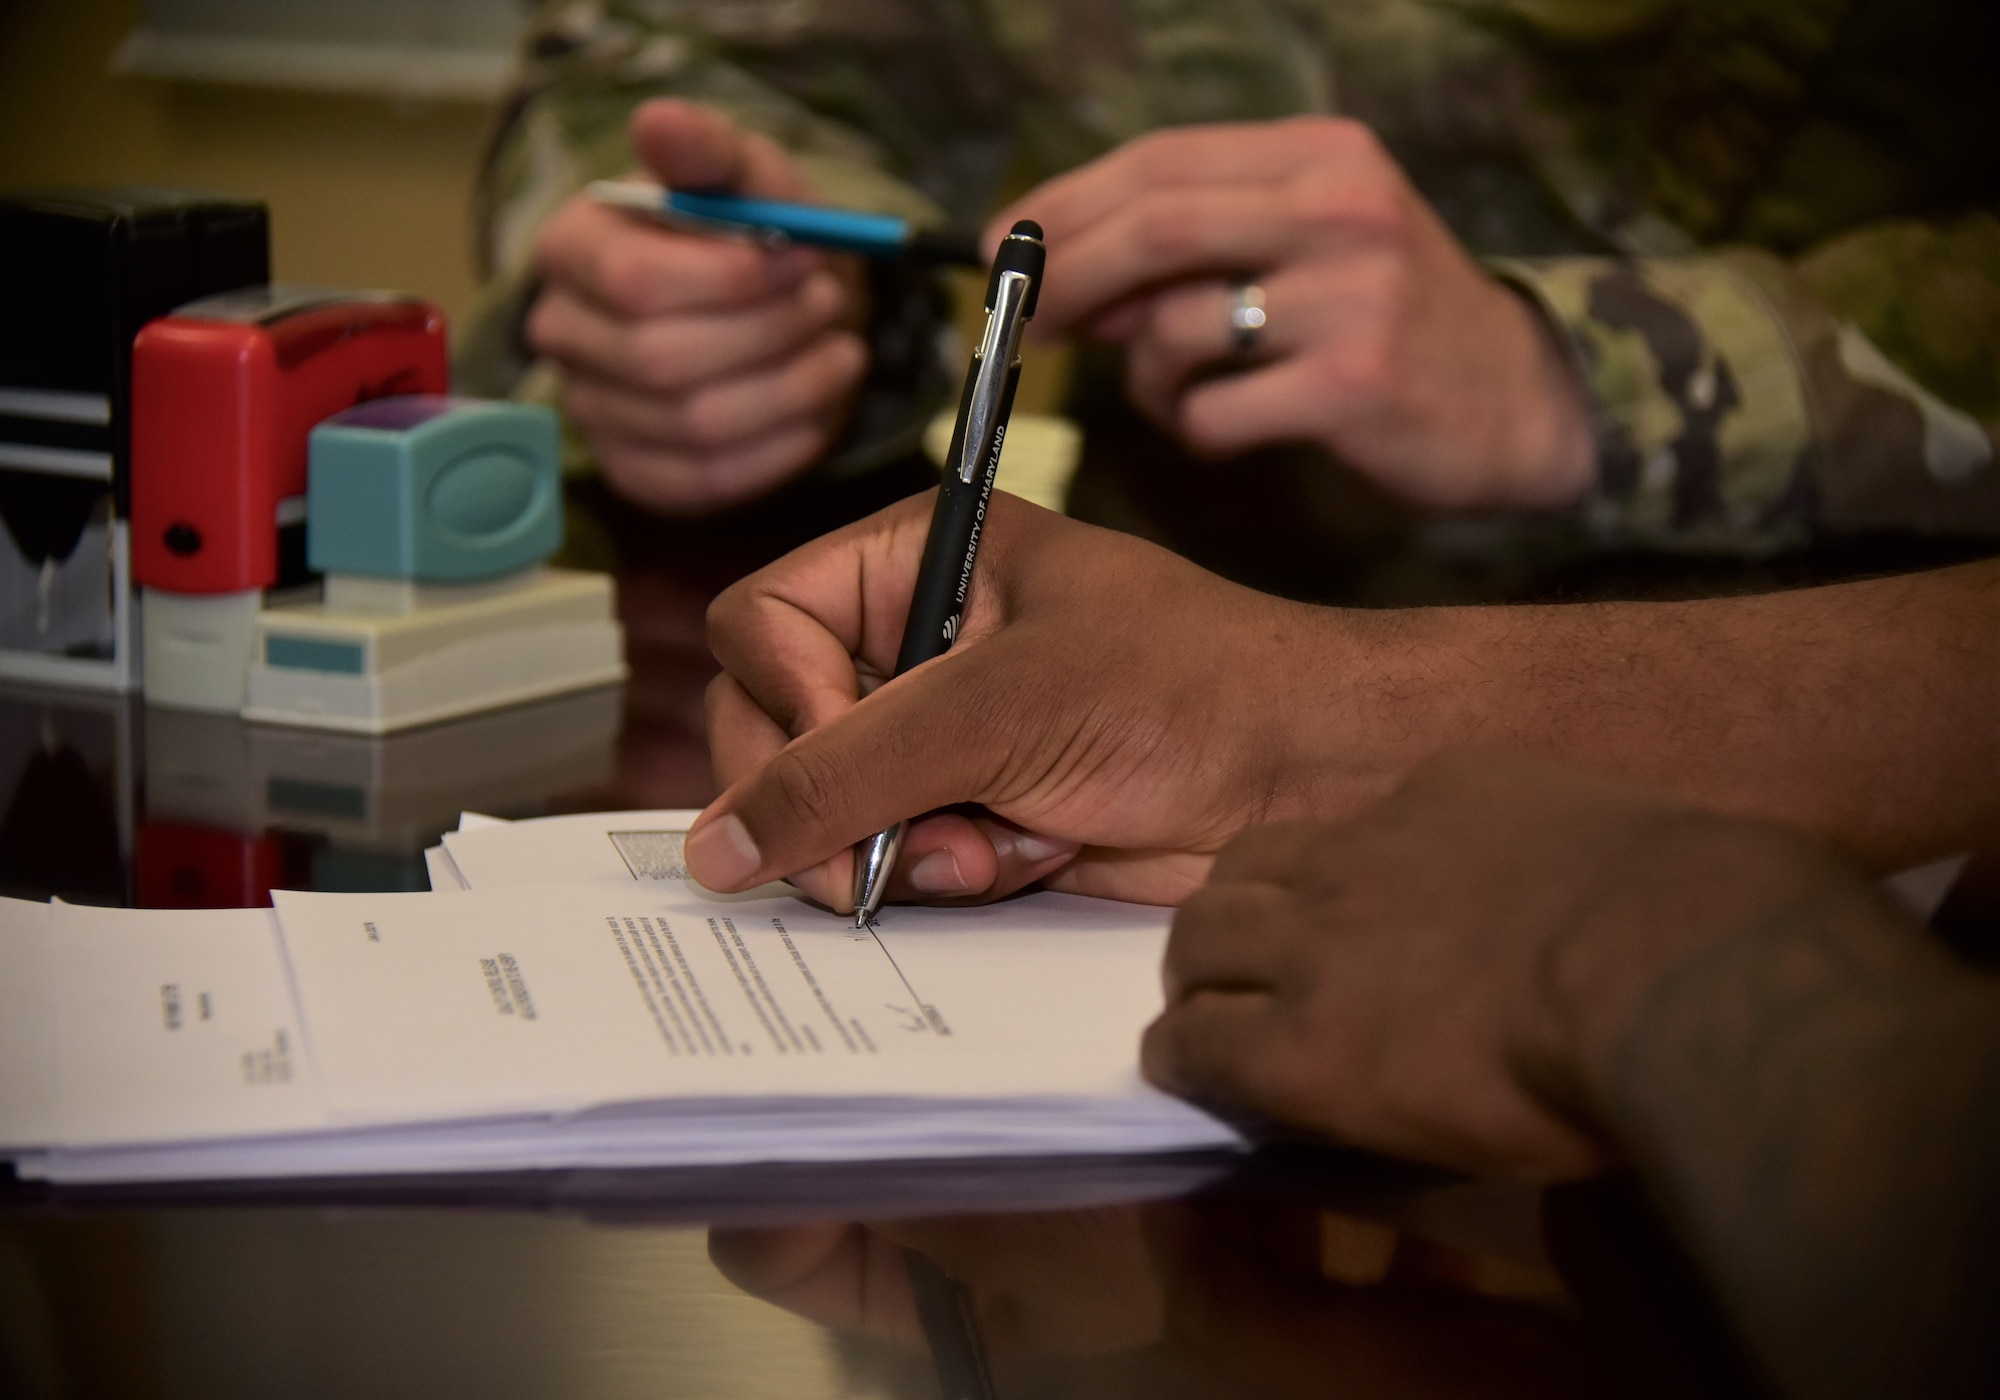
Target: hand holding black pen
x=944, y=576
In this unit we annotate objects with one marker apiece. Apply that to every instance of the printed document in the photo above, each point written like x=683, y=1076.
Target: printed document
x=173, y=1024
x=607, y=1024
x=574, y=1001
x=551, y=999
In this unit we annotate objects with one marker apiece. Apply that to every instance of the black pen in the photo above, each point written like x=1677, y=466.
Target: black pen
x=944, y=1307
x=945, y=573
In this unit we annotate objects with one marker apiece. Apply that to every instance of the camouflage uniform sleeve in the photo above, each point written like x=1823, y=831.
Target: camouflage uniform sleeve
x=585, y=67
x=1744, y=404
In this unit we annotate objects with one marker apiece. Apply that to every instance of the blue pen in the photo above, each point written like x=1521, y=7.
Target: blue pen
x=775, y=224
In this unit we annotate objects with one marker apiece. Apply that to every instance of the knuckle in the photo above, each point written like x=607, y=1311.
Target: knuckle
x=1207, y=431
x=554, y=239
x=647, y=476
x=624, y=468
x=625, y=278
x=1269, y=1084
x=718, y=705
x=707, y=421
x=1362, y=376
x=738, y=733
x=1382, y=213
x=739, y=275
x=582, y=405
x=805, y=789
x=1196, y=914
x=730, y=615
x=718, y=695
x=1177, y=1050
x=1393, y=283
x=846, y=363
x=1341, y=140
x=809, y=442
x=816, y=374
x=1167, y=232
x=542, y=330
x=812, y=381
x=1369, y=209
x=1165, y=1054
x=1371, y=377
x=1348, y=136
x=658, y=363
x=1316, y=203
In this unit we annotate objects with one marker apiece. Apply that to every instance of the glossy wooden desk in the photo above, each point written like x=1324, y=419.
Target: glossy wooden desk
x=1294, y=1274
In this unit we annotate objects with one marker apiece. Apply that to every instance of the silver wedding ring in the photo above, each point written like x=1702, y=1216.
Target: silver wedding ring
x=1246, y=316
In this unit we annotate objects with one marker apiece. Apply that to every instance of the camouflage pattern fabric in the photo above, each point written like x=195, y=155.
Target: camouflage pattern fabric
x=1764, y=229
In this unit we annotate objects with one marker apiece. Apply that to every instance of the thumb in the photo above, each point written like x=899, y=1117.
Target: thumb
x=919, y=743
x=689, y=146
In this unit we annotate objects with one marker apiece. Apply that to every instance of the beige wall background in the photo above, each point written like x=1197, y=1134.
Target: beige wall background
x=362, y=192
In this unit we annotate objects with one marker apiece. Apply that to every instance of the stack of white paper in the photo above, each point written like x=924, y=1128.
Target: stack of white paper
x=620, y=1020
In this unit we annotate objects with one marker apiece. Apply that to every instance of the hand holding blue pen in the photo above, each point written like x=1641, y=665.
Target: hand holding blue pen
x=699, y=371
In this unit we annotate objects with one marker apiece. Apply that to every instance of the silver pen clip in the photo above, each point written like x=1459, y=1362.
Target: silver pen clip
x=999, y=347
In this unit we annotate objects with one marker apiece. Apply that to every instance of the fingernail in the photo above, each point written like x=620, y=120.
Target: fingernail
x=721, y=855
x=937, y=873
x=1033, y=849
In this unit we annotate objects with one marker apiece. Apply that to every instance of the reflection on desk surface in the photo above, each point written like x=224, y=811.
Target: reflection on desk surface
x=108, y=801
x=1307, y=1274
x=310, y=1304
x=388, y=793
x=69, y=785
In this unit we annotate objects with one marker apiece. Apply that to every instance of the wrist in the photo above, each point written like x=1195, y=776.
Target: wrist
x=1365, y=694
x=1667, y=892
